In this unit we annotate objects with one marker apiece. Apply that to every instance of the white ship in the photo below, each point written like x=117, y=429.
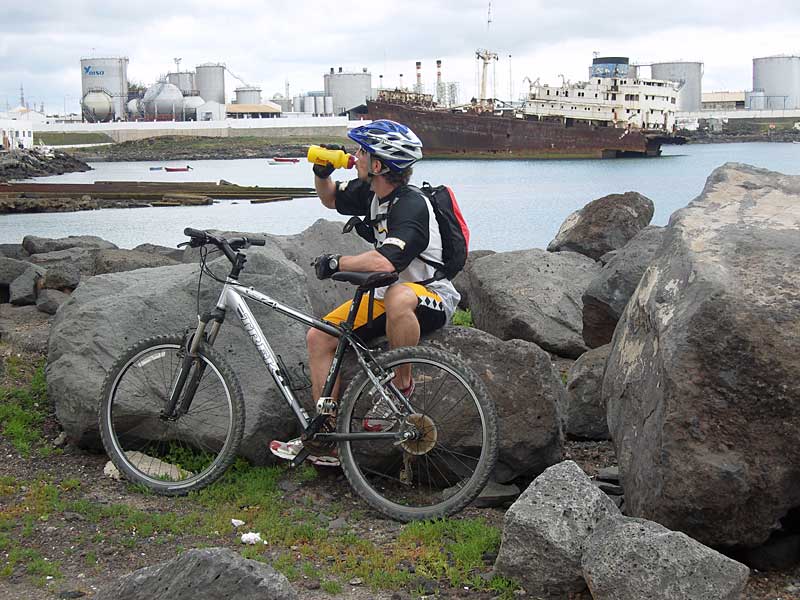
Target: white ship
x=613, y=96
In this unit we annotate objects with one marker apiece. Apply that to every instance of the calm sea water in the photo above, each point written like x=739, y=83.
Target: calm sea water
x=509, y=205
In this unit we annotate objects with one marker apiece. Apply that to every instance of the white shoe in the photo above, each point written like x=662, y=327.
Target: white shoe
x=378, y=418
x=289, y=450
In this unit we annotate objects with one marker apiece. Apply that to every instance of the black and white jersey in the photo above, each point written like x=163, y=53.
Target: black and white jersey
x=405, y=228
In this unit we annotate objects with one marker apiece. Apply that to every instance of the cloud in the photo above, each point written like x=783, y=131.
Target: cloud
x=266, y=43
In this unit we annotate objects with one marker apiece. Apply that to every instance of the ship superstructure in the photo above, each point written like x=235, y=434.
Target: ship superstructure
x=614, y=96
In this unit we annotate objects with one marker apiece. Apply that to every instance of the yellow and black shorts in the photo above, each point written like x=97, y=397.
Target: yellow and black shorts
x=430, y=313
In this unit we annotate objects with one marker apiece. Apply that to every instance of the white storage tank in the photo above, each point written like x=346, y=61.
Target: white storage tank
x=328, y=105
x=755, y=100
x=98, y=107
x=309, y=105
x=319, y=105
x=184, y=81
x=209, y=78
x=162, y=101
x=348, y=90
x=134, y=110
x=109, y=75
x=297, y=104
x=190, y=106
x=779, y=77
x=689, y=75
x=248, y=95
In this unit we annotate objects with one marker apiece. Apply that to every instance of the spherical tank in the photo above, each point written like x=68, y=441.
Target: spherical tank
x=689, y=75
x=109, y=75
x=779, y=77
x=190, y=106
x=133, y=107
x=248, y=95
x=209, y=79
x=98, y=106
x=348, y=89
x=162, y=100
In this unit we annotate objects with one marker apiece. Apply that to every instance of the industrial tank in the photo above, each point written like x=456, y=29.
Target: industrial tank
x=297, y=104
x=162, y=100
x=309, y=105
x=319, y=105
x=755, y=100
x=328, y=105
x=109, y=75
x=209, y=79
x=190, y=106
x=779, y=77
x=348, y=90
x=184, y=81
x=690, y=75
x=98, y=107
x=134, y=108
x=248, y=95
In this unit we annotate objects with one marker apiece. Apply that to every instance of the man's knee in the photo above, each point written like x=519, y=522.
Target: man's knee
x=319, y=341
x=399, y=299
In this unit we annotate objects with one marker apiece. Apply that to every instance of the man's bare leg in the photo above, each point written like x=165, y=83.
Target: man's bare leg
x=402, y=326
x=321, y=349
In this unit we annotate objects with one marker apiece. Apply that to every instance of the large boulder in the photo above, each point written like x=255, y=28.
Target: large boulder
x=526, y=390
x=203, y=574
x=631, y=559
x=24, y=327
x=323, y=237
x=108, y=313
x=462, y=281
x=546, y=530
x=174, y=253
x=39, y=245
x=23, y=289
x=584, y=413
x=609, y=292
x=116, y=261
x=532, y=295
x=10, y=269
x=701, y=385
x=68, y=259
x=15, y=251
x=604, y=224
x=524, y=386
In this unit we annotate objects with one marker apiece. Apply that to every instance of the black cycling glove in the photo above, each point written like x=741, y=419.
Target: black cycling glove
x=326, y=265
x=325, y=171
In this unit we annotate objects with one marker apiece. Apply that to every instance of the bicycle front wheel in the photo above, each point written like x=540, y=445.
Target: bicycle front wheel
x=170, y=454
x=454, y=450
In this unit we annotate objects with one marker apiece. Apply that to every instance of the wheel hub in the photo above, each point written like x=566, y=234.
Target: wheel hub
x=426, y=436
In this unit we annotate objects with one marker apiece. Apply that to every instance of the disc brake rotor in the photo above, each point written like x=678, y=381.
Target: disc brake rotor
x=426, y=439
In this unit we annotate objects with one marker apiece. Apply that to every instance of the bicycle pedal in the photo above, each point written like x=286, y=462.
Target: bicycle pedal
x=300, y=458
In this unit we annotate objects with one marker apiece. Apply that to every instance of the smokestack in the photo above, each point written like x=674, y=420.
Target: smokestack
x=418, y=88
x=331, y=70
x=439, y=88
x=340, y=69
x=380, y=82
x=401, y=81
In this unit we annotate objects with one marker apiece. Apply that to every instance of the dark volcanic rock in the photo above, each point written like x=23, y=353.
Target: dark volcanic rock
x=605, y=224
x=462, y=281
x=205, y=574
x=609, y=292
x=701, y=385
x=23, y=164
x=585, y=414
x=40, y=245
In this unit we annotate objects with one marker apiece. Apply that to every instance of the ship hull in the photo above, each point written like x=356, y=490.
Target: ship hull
x=469, y=135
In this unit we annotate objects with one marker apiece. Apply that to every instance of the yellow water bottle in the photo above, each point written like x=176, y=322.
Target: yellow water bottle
x=338, y=158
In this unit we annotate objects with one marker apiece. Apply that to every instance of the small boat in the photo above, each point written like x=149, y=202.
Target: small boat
x=279, y=159
x=177, y=169
x=156, y=168
x=278, y=162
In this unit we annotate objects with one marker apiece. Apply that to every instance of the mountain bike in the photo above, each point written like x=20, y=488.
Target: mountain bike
x=172, y=413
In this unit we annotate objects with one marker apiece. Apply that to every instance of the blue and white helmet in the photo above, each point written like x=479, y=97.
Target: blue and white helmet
x=394, y=144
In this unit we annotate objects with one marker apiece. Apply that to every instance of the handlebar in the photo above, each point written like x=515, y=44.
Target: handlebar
x=229, y=247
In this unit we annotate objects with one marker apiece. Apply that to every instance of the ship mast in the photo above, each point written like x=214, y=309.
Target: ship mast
x=486, y=56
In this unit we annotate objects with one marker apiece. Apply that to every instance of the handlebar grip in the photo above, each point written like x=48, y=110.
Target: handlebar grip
x=258, y=242
x=194, y=233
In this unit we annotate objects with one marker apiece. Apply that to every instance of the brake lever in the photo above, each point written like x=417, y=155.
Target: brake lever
x=182, y=244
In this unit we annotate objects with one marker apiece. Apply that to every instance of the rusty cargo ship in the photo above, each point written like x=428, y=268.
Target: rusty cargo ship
x=613, y=114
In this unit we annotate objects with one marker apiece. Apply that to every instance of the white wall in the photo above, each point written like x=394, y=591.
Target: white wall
x=12, y=133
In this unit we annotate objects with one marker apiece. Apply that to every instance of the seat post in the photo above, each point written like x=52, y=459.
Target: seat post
x=357, y=298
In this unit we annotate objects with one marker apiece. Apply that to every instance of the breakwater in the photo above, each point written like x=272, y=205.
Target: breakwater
x=65, y=197
x=23, y=164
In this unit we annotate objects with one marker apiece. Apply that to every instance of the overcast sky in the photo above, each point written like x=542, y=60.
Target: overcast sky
x=266, y=43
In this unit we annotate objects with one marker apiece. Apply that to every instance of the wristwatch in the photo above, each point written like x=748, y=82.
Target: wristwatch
x=333, y=262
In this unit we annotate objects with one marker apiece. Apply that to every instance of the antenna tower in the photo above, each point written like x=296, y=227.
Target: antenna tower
x=177, y=64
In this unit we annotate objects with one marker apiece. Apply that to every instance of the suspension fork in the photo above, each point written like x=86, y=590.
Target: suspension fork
x=188, y=380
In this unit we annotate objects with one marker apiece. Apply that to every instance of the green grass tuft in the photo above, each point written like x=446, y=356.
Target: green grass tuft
x=463, y=318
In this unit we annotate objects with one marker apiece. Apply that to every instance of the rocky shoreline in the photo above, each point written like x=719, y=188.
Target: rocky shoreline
x=24, y=164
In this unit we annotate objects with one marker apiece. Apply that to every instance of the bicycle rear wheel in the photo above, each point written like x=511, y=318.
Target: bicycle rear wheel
x=170, y=455
x=448, y=463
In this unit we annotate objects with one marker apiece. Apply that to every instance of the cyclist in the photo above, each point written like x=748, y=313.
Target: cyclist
x=403, y=228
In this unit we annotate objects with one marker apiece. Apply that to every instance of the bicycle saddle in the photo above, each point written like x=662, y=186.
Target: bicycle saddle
x=367, y=280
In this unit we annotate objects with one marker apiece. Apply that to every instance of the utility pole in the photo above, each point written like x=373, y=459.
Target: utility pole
x=21, y=96
x=177, y=64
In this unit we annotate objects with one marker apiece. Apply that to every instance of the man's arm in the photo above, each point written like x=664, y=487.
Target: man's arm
x=326, y=190
x=371, y=260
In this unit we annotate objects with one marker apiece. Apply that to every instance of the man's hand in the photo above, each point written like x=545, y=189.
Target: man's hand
x=325, y=171
x=326, y=265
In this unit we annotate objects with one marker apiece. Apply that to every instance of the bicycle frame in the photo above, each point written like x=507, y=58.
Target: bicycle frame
x=232, y=297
